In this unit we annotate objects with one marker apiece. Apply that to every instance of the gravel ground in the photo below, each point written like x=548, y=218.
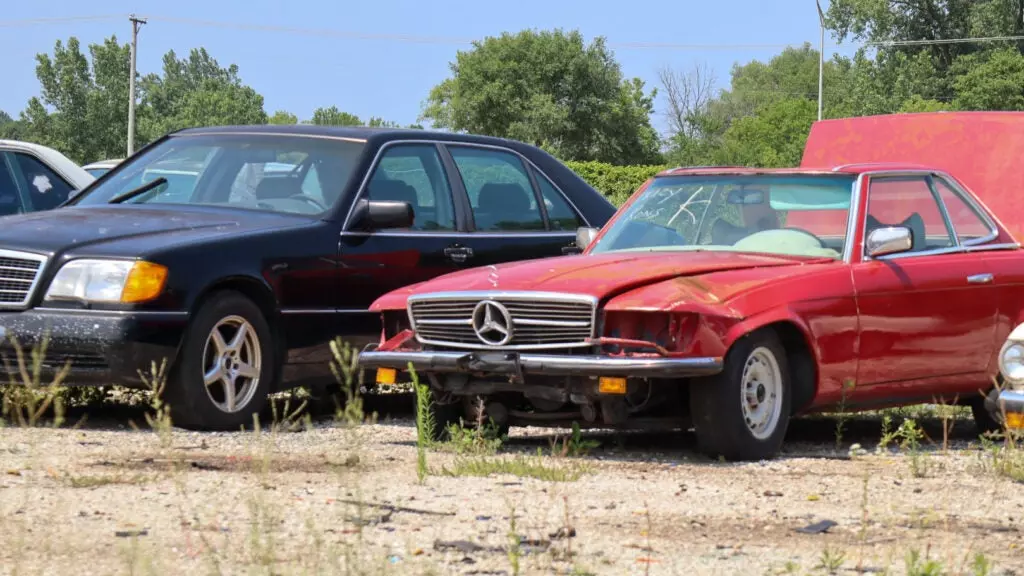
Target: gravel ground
x=106, y=499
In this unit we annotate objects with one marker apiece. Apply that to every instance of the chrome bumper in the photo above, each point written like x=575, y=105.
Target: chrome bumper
x=1011, y=402
x=547, y=364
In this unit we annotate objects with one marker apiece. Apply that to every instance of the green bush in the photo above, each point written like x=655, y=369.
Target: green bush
x=616, y=182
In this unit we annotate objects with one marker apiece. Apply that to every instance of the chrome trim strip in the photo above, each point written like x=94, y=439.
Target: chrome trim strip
x=325, y=311
x=852, y=216
x=30, y=293
x=979, y=279
x=270, y=134
x=95, y=312
x=380, y=152
x=950, y=229
x=550, y=364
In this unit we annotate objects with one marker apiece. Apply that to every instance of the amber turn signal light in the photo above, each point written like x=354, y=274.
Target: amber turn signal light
x=611, y=385
x=1015, y=420
x=145, y=281
x=386, y=375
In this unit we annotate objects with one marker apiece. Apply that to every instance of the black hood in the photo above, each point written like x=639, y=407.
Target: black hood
x=130, y=230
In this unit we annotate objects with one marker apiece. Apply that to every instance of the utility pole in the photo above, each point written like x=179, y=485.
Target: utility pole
x=821, y=58
x=136, y=22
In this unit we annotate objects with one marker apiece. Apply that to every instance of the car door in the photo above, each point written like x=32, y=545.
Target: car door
x=927, y=313
x=374, y=263
x=515, y=211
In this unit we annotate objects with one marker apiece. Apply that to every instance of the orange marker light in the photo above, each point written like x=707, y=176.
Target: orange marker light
x=1015, y=420
x=145, y=281
x=386, y=375
x=611, y=385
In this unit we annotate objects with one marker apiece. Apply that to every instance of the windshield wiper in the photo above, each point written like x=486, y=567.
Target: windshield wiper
x=137, y=191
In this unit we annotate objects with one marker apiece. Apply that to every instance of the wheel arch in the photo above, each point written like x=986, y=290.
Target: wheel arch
x=801, y=353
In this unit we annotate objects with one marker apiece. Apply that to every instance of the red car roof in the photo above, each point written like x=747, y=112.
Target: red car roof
x=844, y=169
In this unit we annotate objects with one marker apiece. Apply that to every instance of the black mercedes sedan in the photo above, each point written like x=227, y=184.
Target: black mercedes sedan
x=237, y=254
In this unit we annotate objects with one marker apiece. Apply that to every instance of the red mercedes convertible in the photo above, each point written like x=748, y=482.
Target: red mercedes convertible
x=728, y=300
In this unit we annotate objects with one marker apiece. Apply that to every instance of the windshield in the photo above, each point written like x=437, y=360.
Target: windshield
x=796, y=215
x=271, y=172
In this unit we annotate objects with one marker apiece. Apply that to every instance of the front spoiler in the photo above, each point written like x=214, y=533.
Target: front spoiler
x=512, y=364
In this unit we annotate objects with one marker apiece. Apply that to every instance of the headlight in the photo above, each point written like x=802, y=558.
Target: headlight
x=111, y=281
x=1011, y=363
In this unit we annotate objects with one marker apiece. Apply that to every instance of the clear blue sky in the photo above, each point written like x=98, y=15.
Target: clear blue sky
x=388, y=78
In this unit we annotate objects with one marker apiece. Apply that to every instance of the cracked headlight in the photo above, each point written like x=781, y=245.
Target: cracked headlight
x=108, y=281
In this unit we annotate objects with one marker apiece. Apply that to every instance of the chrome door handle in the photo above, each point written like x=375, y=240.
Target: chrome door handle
x=979, y=279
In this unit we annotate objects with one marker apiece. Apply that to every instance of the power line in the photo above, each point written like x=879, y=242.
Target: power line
x=455, y=40
x=56, y=20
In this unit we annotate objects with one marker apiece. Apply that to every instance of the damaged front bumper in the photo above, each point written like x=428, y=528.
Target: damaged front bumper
x=518, y=364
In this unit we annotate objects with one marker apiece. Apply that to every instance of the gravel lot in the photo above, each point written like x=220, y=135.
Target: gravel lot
x=106, y=499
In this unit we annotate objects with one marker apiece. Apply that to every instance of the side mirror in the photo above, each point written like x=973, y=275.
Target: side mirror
x=381, y=214
x=584, y=236
x=889, y=240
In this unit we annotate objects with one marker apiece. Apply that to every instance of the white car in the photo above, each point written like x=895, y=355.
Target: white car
x=101, y=167
x=34, y=177
x=1010, y=402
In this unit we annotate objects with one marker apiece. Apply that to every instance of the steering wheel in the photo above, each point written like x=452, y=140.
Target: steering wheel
x=812, y=235
x=308, y=199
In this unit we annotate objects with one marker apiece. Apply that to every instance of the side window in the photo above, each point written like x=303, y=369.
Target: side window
x=414, y=173
x=908, y=202
x=499, y=189
x=10, y=200
x=560, y=213
x=46, y=189
x=967, y=223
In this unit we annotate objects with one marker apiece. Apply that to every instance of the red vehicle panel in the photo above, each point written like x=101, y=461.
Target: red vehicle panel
x=730, y=299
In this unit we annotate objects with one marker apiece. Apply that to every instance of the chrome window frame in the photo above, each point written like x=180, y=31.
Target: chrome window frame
x=361, y=191
x=978, y=245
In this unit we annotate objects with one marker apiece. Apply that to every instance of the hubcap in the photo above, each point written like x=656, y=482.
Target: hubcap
x=762, y=393
x=232, y=360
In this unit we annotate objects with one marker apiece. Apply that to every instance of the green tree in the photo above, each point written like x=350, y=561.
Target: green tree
x=990, y=81
x=282, y=117
x=82, y=109
x=774, y=136
x=551, y=89
x=11, y=129
x=334, y=117
x=196, y=91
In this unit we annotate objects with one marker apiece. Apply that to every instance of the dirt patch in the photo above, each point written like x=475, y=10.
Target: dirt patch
x=325, y=501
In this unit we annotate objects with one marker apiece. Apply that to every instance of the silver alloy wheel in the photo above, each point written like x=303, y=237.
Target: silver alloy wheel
x=761, y=393
x=232, y=362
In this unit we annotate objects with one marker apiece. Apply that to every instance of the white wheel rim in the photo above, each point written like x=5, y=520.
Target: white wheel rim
x=232, y=362
x=761, y=393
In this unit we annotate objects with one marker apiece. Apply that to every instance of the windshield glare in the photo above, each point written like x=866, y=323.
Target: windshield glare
x=796, y=215
x=275, y=173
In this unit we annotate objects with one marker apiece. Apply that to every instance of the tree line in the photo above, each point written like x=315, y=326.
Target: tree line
x=553, y=89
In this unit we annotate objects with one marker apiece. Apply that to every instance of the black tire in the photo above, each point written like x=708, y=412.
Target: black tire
x=192, y=406
x=717, y=411
x=986, y=413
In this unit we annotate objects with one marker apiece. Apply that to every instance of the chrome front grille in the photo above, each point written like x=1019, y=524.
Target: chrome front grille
x=537, y=319
x=19, y=274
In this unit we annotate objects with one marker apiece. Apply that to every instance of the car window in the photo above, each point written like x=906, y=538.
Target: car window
x=10, y=199
x=908, y=201
x=269, y=172
x=499, y=189
x=46, y=189
x=561, y=216
x=414, y=173
x=967, y=223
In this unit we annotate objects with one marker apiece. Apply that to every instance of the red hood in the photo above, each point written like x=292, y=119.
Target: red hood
x=601, y=275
